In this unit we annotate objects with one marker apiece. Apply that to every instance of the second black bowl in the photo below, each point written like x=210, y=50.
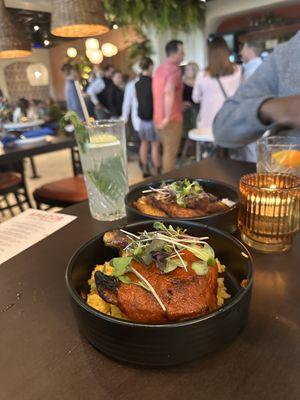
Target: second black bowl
x=225, y=220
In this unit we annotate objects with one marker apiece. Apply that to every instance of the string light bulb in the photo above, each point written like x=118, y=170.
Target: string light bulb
x=109, y=49
x=92, y=44
x=71, y=52
x=95, y=56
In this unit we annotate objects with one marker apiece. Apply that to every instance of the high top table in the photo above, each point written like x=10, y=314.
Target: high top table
x=42, y=356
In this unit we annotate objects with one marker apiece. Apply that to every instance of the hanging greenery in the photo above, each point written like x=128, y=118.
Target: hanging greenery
x=139, y=50
x=176, y=15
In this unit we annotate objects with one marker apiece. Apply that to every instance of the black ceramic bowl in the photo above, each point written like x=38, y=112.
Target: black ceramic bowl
x=225, y=220
x=165, y=344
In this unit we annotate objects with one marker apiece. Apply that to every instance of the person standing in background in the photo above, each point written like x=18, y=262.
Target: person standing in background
x=108, y=71
x=116, y=94
x=94, y=88
x=215, y=84
x=130, y=106
x=147, y=131
x=71, y=96
x=250, y=53
x=167, y=100
x=190, y=109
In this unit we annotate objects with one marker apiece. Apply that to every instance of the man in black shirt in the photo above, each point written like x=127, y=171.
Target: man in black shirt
x=108, y=72
x=115, y=94
x=147, y=131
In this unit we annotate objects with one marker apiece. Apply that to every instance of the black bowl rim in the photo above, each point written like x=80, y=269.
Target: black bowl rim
x=227, y=306
x=139, y=186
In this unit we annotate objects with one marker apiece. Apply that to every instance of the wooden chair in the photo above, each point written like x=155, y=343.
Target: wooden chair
x=63, y=192
x=12, y=183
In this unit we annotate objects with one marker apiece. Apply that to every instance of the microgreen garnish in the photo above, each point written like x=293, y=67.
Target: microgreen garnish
x=180, y=191
x=164, y=244
x=200, y=267
x=121, y=265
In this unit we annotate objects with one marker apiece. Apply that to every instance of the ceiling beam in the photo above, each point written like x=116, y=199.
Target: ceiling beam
x=32, y=5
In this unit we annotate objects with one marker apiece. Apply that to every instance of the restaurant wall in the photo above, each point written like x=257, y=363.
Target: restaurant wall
x=18, y=85
x=38, y=56
x=122, y=38
x=220, y=10
x=241, y=22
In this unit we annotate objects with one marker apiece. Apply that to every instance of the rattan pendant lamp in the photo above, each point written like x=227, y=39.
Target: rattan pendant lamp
x=77, y=18
x=13, y=41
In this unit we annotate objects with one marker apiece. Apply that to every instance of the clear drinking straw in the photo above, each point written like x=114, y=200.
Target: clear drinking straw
x=82, y=102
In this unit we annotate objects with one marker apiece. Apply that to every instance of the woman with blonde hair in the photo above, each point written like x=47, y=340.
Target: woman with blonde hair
x=215, y=84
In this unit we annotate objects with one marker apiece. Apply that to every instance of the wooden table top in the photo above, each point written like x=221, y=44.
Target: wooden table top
x=17, y=153
x=43, y=357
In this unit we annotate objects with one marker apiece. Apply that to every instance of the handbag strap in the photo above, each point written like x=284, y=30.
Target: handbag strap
x=222, y=88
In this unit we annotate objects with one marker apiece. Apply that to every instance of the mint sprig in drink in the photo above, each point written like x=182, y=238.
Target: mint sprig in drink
x=102, y=148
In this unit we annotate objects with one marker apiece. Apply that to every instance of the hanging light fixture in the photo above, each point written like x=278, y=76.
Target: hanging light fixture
x=77, y=18
x=13, y=41
x=109, y=49
x=92, y=44
x=37, y=75
x=71, y=52
x=95, y=56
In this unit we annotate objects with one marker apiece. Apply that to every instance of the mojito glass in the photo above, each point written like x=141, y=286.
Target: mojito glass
x=102, y=148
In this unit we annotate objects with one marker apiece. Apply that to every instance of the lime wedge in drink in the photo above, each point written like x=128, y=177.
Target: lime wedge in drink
x=102, y=141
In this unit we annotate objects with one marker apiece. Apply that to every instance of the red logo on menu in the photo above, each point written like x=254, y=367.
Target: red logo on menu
x=46, y=217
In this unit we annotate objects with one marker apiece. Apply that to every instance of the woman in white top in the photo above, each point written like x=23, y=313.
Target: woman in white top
x=213, y=85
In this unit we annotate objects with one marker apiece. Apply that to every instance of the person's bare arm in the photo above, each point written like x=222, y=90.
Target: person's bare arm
x=281, y=110
x=168, y=103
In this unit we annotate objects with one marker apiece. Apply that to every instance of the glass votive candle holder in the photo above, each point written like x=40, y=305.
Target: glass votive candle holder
x=269, y=211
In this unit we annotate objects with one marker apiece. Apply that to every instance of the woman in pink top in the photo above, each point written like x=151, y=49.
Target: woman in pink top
x=214, y=84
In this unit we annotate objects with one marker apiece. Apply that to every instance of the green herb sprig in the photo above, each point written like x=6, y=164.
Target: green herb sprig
x=180, y=191
x=108, y=177
x=81, y=133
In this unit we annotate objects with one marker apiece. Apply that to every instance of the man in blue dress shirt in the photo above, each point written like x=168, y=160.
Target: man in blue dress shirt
x=250, y=53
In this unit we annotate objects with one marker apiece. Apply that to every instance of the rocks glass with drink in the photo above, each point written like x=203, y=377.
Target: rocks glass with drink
x=279, y=154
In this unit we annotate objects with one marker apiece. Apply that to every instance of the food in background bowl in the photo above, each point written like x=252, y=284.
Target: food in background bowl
x=161, y=275
x=176, y=198
x=180, y=199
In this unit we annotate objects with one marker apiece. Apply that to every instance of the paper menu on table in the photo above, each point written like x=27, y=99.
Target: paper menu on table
x=28, y=228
